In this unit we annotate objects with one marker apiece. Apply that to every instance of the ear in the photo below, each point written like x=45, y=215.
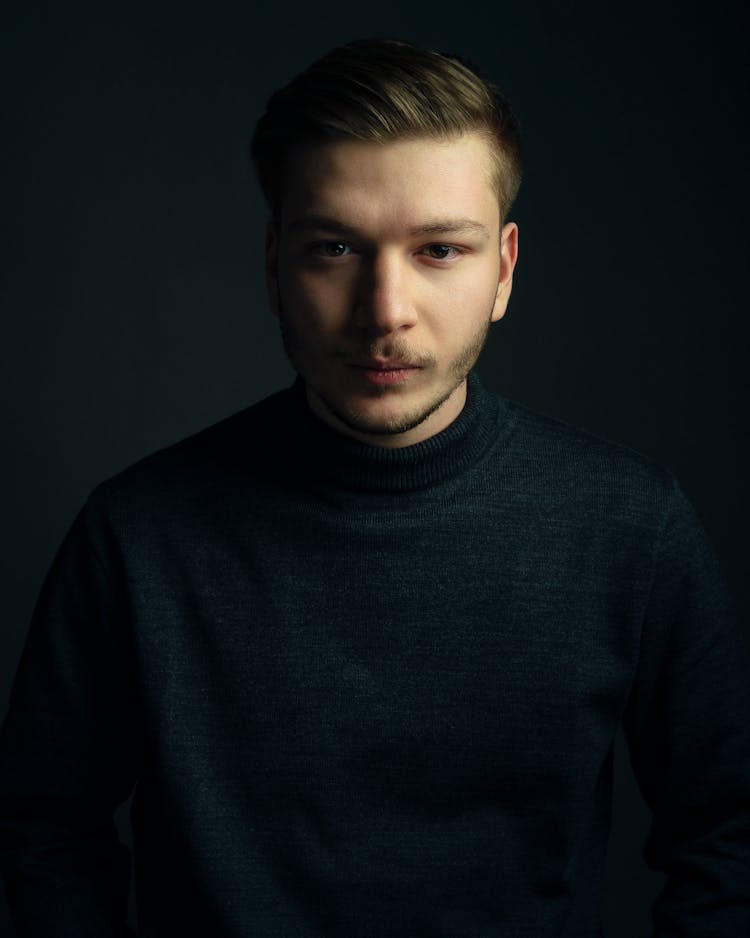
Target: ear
x=508, y=258
x=272, y=267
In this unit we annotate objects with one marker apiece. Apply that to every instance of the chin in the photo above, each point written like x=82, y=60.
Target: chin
x=397, y=418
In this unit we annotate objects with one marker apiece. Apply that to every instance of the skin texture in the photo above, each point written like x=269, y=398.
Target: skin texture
x=389, y=255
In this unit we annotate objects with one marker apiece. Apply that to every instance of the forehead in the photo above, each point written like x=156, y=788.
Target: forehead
x=383, y=186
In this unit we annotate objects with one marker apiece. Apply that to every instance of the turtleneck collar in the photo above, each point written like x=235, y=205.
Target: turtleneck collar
x=338, y=459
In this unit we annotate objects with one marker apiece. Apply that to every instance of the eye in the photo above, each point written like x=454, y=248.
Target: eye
x=331, y=249
x=441, y=252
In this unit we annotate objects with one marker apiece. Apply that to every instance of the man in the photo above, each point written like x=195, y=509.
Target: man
x=362, y=649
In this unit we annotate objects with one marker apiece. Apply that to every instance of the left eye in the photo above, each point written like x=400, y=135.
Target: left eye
x=440, y=252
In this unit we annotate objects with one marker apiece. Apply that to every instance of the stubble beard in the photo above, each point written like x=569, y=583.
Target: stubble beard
x=360, y=422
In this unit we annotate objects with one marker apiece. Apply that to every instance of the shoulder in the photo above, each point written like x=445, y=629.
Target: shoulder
x=233, y=451
x=565, y=465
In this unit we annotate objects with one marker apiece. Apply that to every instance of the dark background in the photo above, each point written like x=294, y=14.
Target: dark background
x=133, y=306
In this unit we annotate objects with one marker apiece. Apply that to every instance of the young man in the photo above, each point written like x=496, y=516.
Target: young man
x=362, y=649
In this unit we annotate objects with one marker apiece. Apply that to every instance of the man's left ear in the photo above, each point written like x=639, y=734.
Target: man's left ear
x=271, y=267
x=508, y=258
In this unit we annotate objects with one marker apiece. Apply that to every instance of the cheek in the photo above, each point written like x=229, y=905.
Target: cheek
x=310, y=317
x=319, y=298
x=461, y=304
x=316, y=290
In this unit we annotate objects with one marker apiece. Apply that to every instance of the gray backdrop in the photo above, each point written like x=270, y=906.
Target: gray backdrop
x=133, y=307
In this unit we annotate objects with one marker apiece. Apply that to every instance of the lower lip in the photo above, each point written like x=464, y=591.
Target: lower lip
x=385, y=375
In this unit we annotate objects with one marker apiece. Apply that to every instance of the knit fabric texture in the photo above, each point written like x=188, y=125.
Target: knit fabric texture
x=373, y=692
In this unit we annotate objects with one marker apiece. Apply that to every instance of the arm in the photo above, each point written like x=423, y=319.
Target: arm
x=688, y=728
x=67, y=754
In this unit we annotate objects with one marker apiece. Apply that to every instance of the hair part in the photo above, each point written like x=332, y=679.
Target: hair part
x=379, y=91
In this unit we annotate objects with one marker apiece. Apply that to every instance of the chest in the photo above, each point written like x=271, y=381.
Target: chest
x=449, y=646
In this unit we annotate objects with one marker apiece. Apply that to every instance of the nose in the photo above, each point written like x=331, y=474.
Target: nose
x=384, y=301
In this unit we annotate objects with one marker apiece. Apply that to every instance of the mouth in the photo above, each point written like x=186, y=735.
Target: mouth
x=382, y=371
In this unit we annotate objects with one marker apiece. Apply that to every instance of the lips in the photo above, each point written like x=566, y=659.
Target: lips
x=380, y=364
x=383, y=372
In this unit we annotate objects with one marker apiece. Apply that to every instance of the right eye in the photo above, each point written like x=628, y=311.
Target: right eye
x=332, y=249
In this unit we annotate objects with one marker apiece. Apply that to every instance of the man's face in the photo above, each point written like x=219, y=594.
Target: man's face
x=385, y=268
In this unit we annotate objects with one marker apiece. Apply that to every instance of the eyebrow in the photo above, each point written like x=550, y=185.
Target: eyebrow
x=452, y=226
x=438, y=226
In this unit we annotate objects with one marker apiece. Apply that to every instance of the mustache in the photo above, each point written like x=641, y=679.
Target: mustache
x=391, y=350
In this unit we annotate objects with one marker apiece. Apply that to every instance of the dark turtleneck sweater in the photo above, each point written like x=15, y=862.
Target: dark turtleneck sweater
x=374, y=692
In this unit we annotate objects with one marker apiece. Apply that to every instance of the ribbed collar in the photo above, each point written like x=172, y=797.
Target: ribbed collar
x=332, y=457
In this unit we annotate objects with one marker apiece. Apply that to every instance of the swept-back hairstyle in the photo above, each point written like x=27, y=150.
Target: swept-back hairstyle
x=380, y=90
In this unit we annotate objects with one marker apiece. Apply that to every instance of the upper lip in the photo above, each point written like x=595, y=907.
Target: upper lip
x=382, y=364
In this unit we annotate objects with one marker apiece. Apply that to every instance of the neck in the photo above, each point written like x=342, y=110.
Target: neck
x=313, y=449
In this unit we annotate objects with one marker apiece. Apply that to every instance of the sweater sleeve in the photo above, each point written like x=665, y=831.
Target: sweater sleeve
x=688, y=728
x=67, y=754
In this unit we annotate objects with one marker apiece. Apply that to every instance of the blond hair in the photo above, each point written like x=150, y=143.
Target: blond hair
x=380, y=90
